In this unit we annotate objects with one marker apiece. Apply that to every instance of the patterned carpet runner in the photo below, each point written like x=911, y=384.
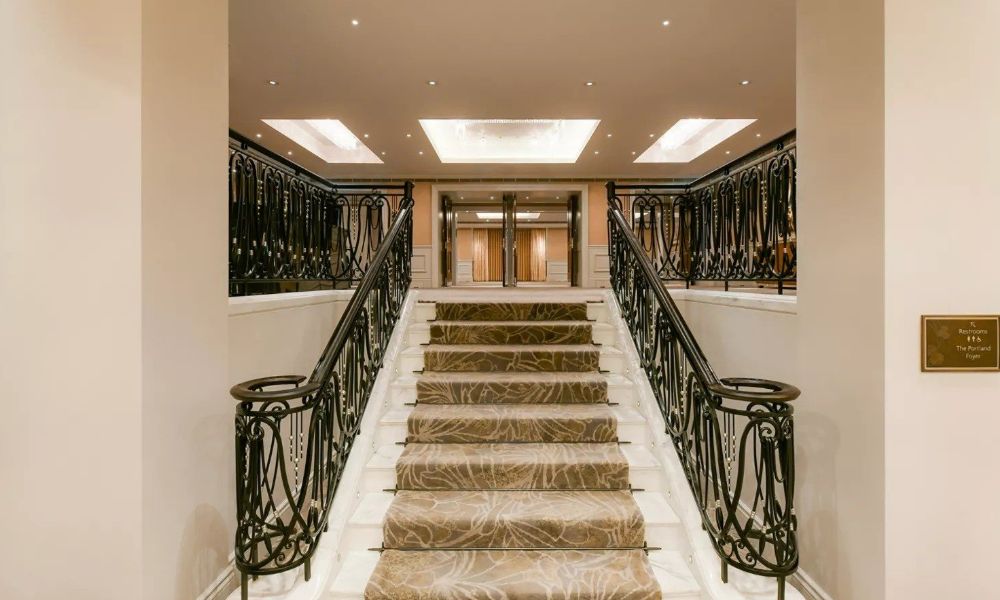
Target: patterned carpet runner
x=512, y=484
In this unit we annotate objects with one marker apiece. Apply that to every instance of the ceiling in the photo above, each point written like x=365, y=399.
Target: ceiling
x=513, y=59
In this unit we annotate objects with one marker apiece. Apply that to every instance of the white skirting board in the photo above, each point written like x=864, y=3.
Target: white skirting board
x=704, y=560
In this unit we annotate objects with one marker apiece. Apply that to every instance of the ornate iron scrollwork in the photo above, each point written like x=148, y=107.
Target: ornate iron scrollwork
x=737, y=225
x=291, y=230
x=734, y=437
x=294, y=435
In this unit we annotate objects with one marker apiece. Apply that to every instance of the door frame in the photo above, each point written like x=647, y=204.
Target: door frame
x=581, y=188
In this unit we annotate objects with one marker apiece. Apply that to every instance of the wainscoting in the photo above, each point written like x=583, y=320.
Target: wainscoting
x=557, y=271
x=422, y=267
x=463, y=272
x=599, y=274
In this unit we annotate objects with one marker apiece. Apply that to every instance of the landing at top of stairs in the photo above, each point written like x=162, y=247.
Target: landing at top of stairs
x=512, y=311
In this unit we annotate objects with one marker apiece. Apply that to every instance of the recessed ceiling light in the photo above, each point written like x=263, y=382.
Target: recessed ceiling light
x=421, y=153
x=758, y=135
x=355, y=22
x=652, y=135
x=609, y=135
x=515, y=141
x=557, y=197
x=690, y=138
x=491, y=197
x=258, y=136
x=432, y=82
x=383, y=153
x=328, y=139
x=272, y=82
x=289, y=153
x=665, y=23
x=589, y=84
x=461, y=197
x=745, y=82
x=633, y=153
x=366, y=136
x=409, y=135
x=727, y=151
x=597, y=151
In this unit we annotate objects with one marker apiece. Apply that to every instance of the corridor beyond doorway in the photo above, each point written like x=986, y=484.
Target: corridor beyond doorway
x=492, y=238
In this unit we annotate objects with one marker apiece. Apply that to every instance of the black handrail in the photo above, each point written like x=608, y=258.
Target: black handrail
x=293, y=435
x=733, y=436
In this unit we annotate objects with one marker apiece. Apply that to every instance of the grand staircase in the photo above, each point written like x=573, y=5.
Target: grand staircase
x=518, y=475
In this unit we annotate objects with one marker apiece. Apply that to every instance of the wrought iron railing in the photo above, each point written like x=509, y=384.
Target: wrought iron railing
x=292, y=230
x=734, y=225
x=293, y=434
x=734, y=437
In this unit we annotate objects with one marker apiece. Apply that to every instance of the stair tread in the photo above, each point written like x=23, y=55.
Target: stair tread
x=460, y=348
x=464, y=323
x=514, y=519
x=512, y=466
x=533, y=377
x=512, y=423
x=513, y=574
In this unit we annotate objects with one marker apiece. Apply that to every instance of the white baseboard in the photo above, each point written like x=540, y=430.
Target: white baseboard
x=224, y=584
x=808, y=586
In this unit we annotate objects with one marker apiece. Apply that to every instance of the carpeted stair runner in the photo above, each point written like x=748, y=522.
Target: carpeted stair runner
x=512, y=485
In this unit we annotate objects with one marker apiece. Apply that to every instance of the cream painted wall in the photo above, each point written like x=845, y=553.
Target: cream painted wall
x=281, y=334
x=70, y=285
x=422, y=217
x=839, y=418
x=187, y=414
x=557, y=243
x=942, y=209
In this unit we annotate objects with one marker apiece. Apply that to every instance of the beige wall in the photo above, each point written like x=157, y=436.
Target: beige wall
x=422, y=217
x=187, y=447
x=597, y=213
x=942, y=210
x=70, y=289
x=463, y=245
x=557, y=243
x=839, y=418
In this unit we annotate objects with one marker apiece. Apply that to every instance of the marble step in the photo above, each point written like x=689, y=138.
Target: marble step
x=662, y=526
x=511, y=311
x=394, y=424
x=513, y=574
x=513, y=519
x=536, y=358
x=511, y=332
x=512, y=466
x=509, y=388
x=429, y=423
x=670, y=569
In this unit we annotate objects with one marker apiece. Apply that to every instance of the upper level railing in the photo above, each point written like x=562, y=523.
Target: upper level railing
x=736, y=224
x=292, y=230
x=293, y=435
x=734, y=437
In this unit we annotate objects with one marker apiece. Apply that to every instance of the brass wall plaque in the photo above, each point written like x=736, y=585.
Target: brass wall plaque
x=959, y=343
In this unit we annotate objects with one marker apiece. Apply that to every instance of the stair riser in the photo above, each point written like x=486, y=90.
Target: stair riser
x=471, y=333
x=458, y=430
x=583, y=532
x=511, y=477
x=602, y=333
x=483, y=311
x=511, y=393
x=415, y=363
x=507, y=361
x=635, y=433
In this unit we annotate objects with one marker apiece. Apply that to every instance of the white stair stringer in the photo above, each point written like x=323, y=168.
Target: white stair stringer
x=331, y=554
x=701, y=556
